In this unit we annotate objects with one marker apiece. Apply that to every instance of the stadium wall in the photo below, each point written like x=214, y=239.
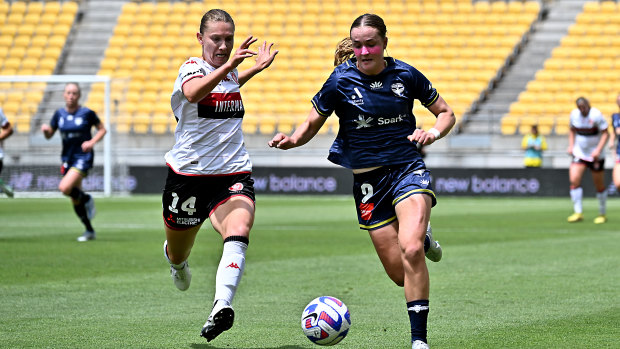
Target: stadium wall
x=321, y=181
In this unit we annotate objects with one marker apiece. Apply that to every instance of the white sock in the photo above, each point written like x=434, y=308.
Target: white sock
x=230, y=270
x=602, y=202
x=576, y=195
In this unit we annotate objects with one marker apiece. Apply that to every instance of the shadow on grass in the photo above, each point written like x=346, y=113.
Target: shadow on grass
x=209, y=346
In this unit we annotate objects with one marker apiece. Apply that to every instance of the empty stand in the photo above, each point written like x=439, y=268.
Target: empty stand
x=459, y=45
x=586, y=63
x=32, y=36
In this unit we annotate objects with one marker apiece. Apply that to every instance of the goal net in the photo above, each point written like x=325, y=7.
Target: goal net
x=31, y=162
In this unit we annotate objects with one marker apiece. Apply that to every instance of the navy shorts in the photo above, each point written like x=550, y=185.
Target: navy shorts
x=378, y=191
x=82, y=163
x=188, y=201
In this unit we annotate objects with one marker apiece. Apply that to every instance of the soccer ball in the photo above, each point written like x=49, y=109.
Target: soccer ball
x=326, y=321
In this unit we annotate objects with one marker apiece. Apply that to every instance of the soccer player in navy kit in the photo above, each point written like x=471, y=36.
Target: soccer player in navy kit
x=614, y=144
x=75, y=123
x=209, y=169
x=373, y=97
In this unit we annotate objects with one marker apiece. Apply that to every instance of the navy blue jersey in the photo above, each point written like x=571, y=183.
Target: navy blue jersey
x=615, y=121
x=375, y=113
x=74, y=130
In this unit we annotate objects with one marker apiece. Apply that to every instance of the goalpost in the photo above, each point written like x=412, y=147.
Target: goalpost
x=30, y=100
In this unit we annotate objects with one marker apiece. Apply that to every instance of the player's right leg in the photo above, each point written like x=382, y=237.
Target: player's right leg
x=616, y=173
x=70, y=185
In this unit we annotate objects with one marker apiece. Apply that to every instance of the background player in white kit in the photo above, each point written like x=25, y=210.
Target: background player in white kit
x=209, y=167
x=586, y=143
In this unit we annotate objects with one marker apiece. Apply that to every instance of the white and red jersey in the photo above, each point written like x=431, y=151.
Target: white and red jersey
x=209, y=140
x=587, y=132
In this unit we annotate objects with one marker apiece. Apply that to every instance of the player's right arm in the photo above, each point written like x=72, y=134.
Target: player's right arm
x=199, y=86
x=302, y=135
x=49, y=130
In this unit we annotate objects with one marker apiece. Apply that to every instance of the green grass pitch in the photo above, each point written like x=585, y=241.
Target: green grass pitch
x=514, y=275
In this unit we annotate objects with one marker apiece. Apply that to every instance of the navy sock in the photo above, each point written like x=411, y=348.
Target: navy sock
x=80, y=210
x=427, y=243
x=418, y=314
x=78, y=195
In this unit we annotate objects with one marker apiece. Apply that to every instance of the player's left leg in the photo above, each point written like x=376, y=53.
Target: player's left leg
x=598, y=176
x=413, y=215
x=71, y=185
x=233, y=219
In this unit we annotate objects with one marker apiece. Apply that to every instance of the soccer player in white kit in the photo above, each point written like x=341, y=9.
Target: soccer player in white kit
x=586, y=143
x=6, y=130
x=209, y=168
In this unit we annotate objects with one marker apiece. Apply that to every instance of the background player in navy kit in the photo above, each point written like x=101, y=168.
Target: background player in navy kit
x=614, y=144
x=6, y=130
x=373, y=97
x=209, y=167
x=75, y=123
x=586, y=143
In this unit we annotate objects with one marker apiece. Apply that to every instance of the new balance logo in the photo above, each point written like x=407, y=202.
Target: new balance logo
x=376, y=85
x=233, y=265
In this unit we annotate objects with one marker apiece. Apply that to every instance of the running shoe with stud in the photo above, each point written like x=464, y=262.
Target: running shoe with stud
x=575, y=217
x=221, y=319
x=600, y=219
x=87, y=236
x=434, y=252
x=419, y=345
x=7, y=190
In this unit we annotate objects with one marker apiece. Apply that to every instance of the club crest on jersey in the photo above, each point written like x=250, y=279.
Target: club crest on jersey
x=377, y=85
x=398, y=88
x=236, y=187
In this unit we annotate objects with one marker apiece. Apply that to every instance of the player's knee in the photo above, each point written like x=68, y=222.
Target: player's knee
x=413, y=251
x=65, y=189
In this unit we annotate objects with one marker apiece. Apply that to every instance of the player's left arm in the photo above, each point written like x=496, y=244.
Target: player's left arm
x=444, y=123
x=264, y=58
x=88, y=146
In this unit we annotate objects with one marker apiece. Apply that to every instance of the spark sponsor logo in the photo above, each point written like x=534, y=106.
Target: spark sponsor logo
x=386, y=121
x=376, y=85
x=398, y=88
x=188, y=221
x=236, y=187
x=366, y=211
x=362, y=121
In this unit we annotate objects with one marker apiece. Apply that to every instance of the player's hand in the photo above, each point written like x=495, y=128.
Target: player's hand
x=265, y=57
x=280, y=141
x=422, y=137
x=595, y=154
x=243, y=51
x=87, y=146
x=569, y=150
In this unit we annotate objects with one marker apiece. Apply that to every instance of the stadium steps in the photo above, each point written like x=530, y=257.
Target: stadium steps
x=557, y=18
x=86, y=46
